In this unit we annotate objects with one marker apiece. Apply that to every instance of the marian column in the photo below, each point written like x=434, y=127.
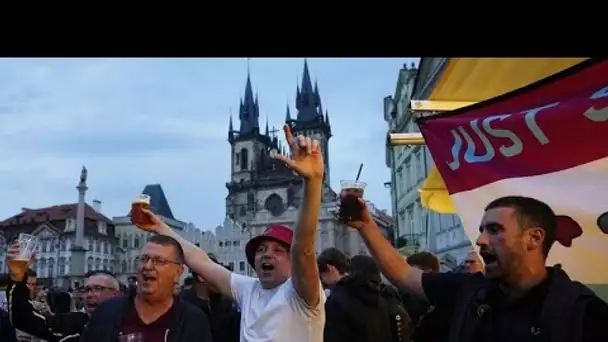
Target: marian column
x=77, y=267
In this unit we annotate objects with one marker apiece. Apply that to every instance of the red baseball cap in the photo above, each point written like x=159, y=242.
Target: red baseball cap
x=275, y=232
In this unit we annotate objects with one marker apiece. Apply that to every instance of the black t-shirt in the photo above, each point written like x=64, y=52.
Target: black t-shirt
x=517, y=320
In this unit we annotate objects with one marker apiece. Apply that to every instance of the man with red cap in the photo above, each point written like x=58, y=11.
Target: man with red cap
x=286, y=301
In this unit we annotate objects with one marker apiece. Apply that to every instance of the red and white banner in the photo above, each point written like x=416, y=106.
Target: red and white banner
x=548, y=141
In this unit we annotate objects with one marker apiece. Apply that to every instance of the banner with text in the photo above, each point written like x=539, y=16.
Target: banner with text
x=548, y=141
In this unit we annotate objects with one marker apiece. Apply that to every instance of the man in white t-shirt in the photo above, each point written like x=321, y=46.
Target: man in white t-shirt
x=286, y=301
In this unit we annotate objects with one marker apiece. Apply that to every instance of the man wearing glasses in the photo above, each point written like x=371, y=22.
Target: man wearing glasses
x=99, y=286
x=152, y=314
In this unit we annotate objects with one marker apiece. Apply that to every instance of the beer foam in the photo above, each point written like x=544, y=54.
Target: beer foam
x=143, y=199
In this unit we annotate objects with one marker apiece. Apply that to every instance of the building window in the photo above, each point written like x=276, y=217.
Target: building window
x=236, y=243
x=50, y=265
x=62, y=269
x=231, y=265
x=89, y=264
x=241, y=266
x=244, y=159
x=221, y=244
x=125, y=242
x=102, y=228
x=91, y=245
x=106, y=247
x=228, y=243
x=136, y=243
x=62, y=246
x=97, y=246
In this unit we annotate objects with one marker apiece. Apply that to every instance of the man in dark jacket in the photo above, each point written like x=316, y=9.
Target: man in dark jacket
x=99, y=286
x=224, y=318
x=7, y=332
x=355, y=309
x=153, y=313
x=518, y=298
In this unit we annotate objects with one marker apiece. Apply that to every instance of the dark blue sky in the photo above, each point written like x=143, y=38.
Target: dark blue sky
x=138, y=121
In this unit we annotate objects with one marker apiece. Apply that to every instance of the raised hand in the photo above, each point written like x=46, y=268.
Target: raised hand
x=17, y=267
x=151, y=222
x=306, y=158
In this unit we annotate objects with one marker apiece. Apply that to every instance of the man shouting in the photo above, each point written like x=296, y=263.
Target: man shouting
x=286, y=301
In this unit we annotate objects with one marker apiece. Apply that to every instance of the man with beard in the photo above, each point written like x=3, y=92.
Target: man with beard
x=99, y=286
x=153, y=313
x=519, y=299
x=286, y=301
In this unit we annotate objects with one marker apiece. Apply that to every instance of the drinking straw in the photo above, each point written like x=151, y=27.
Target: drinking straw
x=359, y=172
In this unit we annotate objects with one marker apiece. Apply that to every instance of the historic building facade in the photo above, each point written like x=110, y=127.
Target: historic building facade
x=444, y=233
x=56, y=226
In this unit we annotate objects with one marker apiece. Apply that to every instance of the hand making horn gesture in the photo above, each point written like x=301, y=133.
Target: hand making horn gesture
x=306, y=158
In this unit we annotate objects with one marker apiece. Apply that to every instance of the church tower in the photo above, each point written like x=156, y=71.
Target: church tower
x=250, y=150
x=310, y=119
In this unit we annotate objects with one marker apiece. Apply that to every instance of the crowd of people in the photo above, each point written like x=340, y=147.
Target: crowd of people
x=504, y=292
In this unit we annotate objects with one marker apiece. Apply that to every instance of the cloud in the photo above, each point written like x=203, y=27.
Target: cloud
x=138, y=121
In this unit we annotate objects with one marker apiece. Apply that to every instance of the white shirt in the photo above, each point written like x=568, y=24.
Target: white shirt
x=278, y=314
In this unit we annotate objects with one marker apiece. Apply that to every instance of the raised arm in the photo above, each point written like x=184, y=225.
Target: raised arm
x=306, y=160
x=196, y=258
x=23, y=315
x=391, y=263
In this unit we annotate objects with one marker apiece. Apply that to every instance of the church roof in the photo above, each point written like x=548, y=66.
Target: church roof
x=158, y=201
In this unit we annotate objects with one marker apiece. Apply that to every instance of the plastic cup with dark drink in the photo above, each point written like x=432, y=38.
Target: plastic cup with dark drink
x=137, y=215
x=350, y=208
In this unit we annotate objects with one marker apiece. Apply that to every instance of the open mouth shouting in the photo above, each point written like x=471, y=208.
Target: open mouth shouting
x=148, y=279
x=489, y=259
x=266, y=267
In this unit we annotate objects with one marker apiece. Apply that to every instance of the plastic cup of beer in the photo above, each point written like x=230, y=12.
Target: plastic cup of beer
x=137, y=215
x=27, y=245
x=350, y=208
x=135, y=337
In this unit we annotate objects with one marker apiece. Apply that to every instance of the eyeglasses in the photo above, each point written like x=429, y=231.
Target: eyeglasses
x=97, y=288
x=156, y=261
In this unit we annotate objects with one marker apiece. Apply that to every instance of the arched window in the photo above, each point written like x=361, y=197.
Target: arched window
x=106, y=265
x=136, y=243
x=97, y=263
x=89, y=264
x=123, y=267
x=244, y=159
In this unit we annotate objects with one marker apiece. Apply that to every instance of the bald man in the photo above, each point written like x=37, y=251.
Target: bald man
x=473, y=263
